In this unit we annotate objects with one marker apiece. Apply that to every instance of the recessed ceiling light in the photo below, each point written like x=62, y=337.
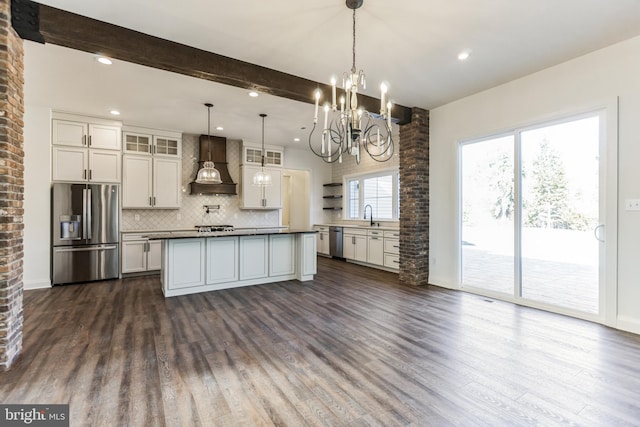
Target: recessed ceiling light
x=104, y=60
x=296, y=139
x=253, y=94
x=464, y=55
x=115, y=112
x=219, y=128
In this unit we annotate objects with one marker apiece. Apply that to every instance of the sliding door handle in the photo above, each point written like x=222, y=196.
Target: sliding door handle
x=596, y=234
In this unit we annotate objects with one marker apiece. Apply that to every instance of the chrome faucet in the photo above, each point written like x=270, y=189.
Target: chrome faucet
x=370, y=213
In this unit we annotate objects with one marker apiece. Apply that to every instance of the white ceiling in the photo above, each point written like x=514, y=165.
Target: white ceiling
x=412, y=45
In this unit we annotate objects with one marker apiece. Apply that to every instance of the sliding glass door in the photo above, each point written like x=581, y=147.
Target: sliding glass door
x=530, y=214
x=488, y=210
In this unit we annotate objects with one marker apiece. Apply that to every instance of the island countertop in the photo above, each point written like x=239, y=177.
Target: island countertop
x=240, y=232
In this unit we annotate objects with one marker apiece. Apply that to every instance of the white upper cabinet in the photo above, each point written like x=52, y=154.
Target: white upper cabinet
x=258, y=197
x=252, y=155
x=166, y=183
x=137, y=184
x=85, y=149
x=152, y=142
x=86, y=134
x=105, y=137
x=69, y=133
x=152, y=169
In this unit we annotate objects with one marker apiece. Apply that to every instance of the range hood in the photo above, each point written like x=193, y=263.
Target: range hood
x=214, y=148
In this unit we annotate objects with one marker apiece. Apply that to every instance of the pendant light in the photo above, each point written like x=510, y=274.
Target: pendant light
x=262, y=178
x=208, y=174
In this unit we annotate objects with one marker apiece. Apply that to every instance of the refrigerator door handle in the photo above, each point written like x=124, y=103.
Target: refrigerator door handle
x=84, y=249
x=88, y=211
x=84, y=213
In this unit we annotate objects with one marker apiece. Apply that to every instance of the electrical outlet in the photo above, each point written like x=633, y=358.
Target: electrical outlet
x=632, y=204
x=136, y=217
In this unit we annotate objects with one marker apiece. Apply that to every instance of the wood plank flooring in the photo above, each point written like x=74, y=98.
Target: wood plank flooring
x=351, y=348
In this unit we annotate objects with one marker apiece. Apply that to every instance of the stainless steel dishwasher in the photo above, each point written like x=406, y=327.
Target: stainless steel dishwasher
x=335, y=241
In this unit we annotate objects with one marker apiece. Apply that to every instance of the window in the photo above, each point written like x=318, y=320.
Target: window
x=379, y=190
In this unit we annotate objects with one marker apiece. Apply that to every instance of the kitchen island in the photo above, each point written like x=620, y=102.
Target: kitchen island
x=194, y=262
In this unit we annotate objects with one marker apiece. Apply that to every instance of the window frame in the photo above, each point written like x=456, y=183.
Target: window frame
x=361, y=177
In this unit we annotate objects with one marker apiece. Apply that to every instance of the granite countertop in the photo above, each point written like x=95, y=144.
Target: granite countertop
x=237, y=232
x=147, y=232
x=367, y=227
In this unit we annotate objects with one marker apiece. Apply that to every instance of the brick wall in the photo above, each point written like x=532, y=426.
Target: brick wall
x=414, y=199
x=11, y=187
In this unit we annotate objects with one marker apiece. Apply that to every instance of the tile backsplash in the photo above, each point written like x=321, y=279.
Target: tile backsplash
x=191, y=211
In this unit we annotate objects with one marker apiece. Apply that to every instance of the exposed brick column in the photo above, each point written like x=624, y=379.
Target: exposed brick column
x=414, y=199
x=11, y=187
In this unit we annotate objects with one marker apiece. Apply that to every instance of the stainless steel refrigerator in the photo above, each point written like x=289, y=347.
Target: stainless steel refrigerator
x=85, y=232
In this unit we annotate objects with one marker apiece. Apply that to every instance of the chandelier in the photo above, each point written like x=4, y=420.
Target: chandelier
x=351, y=129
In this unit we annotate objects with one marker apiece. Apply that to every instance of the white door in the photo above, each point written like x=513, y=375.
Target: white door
x=104, y=166
x=166, y=182
x=253, y=257
x=222, y=260
x=136, y=181
x=105, y=137
x=286, y=200
x=273, y=193
x=375, y=250
x=70, y=164
x=154, y=255
x=537, y=236
x=281, y=255
x=69, y=133
x=134, y=256
x=251, y=194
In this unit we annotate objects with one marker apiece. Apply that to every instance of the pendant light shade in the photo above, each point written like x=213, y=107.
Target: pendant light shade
x=208, y=174
x=262, y=178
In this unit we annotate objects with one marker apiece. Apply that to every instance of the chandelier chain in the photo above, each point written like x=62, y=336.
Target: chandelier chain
x=353, y=67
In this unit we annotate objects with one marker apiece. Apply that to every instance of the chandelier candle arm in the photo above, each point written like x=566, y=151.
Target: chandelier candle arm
x=333, y=93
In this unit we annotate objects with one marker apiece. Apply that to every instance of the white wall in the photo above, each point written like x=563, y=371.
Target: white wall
x=37, y=195
x=320, y=173
x=591, y=81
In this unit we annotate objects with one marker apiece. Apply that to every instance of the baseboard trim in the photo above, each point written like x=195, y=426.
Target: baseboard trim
x=37, y=284
x=628, y=324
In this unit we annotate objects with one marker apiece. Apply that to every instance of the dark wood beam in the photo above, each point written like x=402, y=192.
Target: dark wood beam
x=89, y=35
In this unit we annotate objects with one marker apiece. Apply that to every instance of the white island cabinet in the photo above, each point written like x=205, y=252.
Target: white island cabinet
x=193, y=263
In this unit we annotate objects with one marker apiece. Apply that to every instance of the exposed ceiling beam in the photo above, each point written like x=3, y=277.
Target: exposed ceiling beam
x=79, y=32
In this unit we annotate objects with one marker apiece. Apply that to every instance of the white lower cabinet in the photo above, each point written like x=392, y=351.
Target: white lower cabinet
x=354, y=244
x=375, y=247
x=253, y=257
x=134, y=256
x=154, y=255
x=322, y=240
x=282, y=255
x=140, y=255
x=222, y=260
x=392, y=249
x=184, y=263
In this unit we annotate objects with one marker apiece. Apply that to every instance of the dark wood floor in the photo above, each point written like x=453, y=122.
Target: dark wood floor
x=350, y=348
